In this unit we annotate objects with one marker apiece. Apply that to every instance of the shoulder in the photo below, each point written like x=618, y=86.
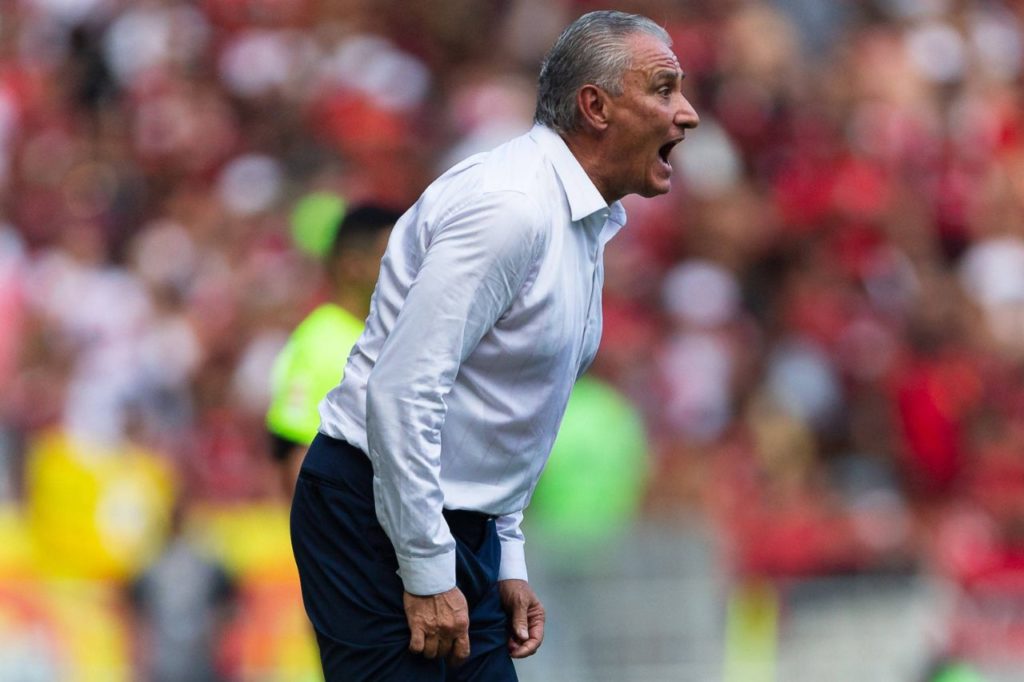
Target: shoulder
x=517, y=173
x=498, y=199
x=519, y=165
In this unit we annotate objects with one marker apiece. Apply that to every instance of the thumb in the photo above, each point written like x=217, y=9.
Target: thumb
x=519, y=625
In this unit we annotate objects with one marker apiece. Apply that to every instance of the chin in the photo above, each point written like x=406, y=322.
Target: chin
x=655, y=190
x=658, y=183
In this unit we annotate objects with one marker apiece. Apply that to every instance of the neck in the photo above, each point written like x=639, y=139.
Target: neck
x=351, y=299
x=588, y=151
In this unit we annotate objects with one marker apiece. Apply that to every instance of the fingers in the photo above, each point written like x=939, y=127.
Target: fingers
x=528, y=646
x=436, y=645
x=429, y=643
x=460, y=650
x=438, y=625
x=431, y=646
x=526, y=617
x=520, y=626
x=445, y=643
x=524, y=650
x=417, y=640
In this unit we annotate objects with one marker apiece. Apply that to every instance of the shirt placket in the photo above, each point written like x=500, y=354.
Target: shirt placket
x=594, y=226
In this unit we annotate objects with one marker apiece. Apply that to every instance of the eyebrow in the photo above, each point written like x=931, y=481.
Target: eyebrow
x=668, y=74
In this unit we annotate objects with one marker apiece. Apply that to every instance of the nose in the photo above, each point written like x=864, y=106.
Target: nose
x=686, y=116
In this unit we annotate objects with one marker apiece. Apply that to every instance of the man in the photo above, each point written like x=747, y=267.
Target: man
x=309, y=364
x=405, y=523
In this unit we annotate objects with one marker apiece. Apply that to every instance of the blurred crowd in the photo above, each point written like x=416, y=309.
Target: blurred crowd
x=822, y=324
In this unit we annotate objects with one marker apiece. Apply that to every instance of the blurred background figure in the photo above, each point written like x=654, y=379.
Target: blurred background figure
x=603, y=435
x=181, y=606
x=820, y=326
x=313, y=360
x=587, y=502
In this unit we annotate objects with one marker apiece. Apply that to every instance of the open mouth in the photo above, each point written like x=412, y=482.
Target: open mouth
x=666, y=149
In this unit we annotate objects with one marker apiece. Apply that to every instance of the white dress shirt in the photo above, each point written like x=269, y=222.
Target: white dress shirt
x=487, y=309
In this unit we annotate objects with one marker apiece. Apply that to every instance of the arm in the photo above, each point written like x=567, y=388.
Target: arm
x=472, y=268
x=287, y=456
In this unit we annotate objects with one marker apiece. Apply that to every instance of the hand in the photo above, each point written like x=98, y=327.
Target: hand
x=526, y=615
x=439, y=624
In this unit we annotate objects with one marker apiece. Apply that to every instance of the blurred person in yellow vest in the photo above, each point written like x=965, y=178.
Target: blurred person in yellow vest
x=313, y=359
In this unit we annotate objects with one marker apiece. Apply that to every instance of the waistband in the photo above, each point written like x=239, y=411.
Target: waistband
x=337, y=460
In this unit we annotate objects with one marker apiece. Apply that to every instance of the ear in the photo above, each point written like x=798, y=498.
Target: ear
x=593, y=103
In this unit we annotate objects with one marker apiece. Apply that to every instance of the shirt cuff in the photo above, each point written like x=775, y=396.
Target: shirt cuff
x=425, y=576
x=513, y=561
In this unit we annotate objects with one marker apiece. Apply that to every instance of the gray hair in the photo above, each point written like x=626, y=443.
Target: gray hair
x=591, y=50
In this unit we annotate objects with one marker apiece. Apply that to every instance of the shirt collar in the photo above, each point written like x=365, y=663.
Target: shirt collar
x=584, y=198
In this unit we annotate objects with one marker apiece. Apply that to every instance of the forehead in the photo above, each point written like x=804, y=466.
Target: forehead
x=648, y=55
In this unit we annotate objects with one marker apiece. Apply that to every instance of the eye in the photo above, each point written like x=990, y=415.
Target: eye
x=664, y=91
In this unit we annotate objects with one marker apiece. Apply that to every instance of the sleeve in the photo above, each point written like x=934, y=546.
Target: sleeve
x=513, y=555
x=473, y=266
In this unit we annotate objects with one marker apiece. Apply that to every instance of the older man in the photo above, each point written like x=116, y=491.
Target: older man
x=405, y=522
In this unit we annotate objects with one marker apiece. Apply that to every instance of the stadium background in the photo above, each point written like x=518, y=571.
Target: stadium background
x=820, y=330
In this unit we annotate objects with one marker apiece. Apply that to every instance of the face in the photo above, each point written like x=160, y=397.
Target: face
x=646, y=121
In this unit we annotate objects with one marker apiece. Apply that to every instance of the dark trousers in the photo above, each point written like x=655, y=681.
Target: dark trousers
x=350, y=585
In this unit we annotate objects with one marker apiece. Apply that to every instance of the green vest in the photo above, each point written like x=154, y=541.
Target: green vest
x=594, y=481
x=310, y=365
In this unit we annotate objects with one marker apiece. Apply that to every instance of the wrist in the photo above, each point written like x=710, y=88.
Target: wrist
x=427, y=576
x=513, y=562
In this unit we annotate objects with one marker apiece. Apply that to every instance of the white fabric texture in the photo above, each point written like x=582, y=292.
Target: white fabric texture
x=486, y=311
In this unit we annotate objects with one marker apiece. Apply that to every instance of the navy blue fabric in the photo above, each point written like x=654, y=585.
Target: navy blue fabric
x=350, y=585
